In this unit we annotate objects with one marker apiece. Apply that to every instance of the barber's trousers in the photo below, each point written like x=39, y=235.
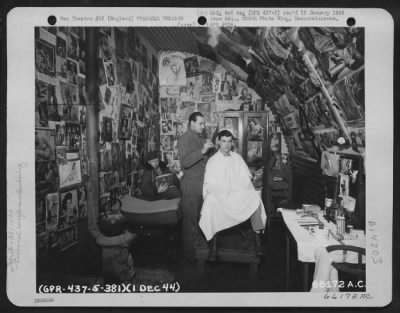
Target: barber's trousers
x=192, y=200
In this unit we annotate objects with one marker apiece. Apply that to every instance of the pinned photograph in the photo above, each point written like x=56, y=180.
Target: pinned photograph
x=70, y=173
x=40, y=210
x=46, y=177
x=105, y=160
x=205, y=109
x=68, y=209
x=69, y=94
x=60, y=136
x=45, y=58
x=72, y=46
x=73, y=136
x=82, y=57
x=109, y=71
x=52, y=211
x=232, y=124
x=166, y=127
x=254, y=152
x=44, y=144
x=191, y=66
x=61, y=47
x=167, y=142
x=344, y=185
x=72, y=72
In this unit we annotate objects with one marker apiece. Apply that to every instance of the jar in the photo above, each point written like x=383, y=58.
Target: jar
x=340, y=225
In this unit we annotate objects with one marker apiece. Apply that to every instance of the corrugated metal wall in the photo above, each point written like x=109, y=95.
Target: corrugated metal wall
x=308, y=186
x=170, y=38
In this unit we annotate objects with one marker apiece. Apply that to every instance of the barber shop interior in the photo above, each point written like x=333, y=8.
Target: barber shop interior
x=203, y=159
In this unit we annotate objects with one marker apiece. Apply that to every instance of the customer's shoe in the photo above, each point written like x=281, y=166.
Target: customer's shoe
x=259, y=247
x=212, y=250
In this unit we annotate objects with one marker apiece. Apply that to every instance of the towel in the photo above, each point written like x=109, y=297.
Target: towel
x=325, y=275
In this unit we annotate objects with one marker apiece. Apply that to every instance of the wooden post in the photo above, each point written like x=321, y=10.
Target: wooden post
x=92, y=125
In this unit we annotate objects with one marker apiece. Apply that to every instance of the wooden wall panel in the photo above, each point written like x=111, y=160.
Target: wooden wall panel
x=308, y=185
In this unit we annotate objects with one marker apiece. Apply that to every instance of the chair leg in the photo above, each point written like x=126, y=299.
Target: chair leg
x=212, y=249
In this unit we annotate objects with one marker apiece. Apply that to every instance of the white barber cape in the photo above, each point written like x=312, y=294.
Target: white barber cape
x=229, y=195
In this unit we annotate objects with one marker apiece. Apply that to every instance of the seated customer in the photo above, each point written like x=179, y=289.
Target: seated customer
x=157, y=181
x=229, y=195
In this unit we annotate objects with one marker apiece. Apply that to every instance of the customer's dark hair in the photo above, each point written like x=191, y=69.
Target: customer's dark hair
x=193, y=117
x=224, y=133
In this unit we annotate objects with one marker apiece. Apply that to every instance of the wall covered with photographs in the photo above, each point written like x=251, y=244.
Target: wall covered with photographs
x=60, y=140
x=314, y=72
x=190, y=83
x=312, y=80
x=129, y=120
x=128, y=124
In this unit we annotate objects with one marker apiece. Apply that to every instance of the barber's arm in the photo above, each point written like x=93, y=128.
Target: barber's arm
x=190, y=154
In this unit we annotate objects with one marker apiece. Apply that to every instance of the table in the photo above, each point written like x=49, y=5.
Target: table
x=307, y=243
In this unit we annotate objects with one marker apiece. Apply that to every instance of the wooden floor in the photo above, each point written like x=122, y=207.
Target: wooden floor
x=234, y=272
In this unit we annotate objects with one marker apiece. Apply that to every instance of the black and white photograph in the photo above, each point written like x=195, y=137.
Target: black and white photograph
x=238, y=121
x=72, y=46
x=70, y=173
x=45, y=58
x=191, y=66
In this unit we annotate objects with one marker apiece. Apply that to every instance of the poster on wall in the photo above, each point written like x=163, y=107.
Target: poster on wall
x=45, y=58
x=44, y=144
x=46, y=177
x=70, y=173
x=255, y=131
x=52, y=211
x=172, y=69
x=350, y=108
x=191, y=66
x=68, y=208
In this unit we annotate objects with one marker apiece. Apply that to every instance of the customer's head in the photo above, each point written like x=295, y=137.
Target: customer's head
x=225, y=139
x=196, y=122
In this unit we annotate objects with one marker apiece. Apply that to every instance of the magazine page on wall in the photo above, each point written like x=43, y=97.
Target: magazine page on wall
x=103, y=89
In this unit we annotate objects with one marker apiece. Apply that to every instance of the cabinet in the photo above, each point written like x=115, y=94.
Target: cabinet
x=250, y=131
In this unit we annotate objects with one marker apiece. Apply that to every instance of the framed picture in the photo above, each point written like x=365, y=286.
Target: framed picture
x=232, y=124
x=70, y=173
x=255, y=130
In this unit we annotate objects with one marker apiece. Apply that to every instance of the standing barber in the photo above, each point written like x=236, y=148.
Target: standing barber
x=193, y=154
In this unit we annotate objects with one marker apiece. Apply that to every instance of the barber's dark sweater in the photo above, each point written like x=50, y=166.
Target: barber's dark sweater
x=192, y=160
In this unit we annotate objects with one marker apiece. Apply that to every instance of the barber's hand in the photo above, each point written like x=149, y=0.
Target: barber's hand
x=163, y=187
x=207, y=145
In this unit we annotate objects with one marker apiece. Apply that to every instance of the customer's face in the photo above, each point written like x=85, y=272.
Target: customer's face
x=225, y=144
x=198, y=126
